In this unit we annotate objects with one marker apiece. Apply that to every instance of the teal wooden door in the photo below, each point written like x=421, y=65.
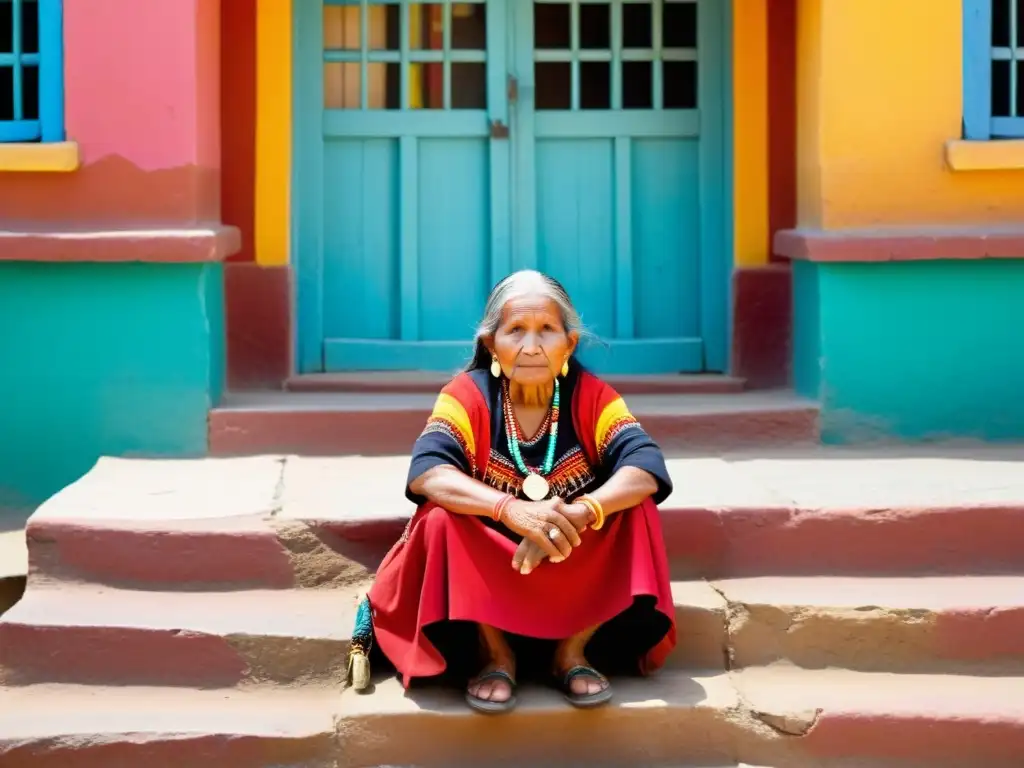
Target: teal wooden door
x=619, y=149
x=439, y=146
x=401, y=179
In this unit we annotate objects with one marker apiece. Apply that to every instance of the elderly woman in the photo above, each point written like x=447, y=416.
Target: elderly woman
x=536, y=528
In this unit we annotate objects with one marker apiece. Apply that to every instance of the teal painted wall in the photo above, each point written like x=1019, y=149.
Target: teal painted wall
x=103, y=359
x=918, y=350
x=806, y=330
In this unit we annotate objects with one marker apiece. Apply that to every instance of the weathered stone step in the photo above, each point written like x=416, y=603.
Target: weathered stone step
x=284, y=521
x=339, y=423
x=88, y=634
x=844, y=718
x=965, y=624
x=779, y=716
x=782, y=717
x=424, y=382
x=67, y=726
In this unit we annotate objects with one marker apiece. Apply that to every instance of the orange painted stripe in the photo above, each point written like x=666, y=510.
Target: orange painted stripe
x=273, y=130
x=750, y=135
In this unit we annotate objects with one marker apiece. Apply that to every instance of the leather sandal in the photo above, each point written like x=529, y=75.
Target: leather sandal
x=584, y=700
x=487, y=706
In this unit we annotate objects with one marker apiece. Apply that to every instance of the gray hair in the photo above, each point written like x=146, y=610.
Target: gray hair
x=526, y=282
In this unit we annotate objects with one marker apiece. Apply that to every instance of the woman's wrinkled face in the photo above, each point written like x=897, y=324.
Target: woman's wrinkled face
x=531, y=343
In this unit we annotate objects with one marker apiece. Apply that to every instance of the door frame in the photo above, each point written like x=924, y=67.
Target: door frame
x=306, y=193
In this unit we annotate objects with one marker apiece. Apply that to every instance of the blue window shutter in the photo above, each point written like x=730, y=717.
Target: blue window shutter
x=49, y=125
x=51, y=70
x=977, y=69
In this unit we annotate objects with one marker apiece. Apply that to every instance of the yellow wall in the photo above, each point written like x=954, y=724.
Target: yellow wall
x=880, y=93
x=750, y=135
x=273, y=130
x=808, y=125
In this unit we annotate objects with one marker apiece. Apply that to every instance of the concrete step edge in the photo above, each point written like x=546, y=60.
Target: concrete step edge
x=911, y=625
x=321, y=613
x=95, y=726
x=313, y=541
x=770, y=716
x=84, y=634
x=267, y=611
x=422, y=381
x=775, y=716
x=642, y=406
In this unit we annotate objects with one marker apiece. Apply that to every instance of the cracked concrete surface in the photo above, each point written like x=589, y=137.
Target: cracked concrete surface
x=799, y=724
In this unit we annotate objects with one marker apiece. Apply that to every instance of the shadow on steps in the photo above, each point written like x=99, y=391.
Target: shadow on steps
x=11, y=591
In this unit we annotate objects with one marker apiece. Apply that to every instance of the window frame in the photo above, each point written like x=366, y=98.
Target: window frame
x=49, y=128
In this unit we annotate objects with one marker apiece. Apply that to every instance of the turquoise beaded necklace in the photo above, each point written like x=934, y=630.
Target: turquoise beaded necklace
x=535, y=486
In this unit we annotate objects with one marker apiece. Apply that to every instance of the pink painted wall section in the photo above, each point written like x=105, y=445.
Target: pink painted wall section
x=208, y=58
x=134, y=82
x=142, y=99
x=208, y=98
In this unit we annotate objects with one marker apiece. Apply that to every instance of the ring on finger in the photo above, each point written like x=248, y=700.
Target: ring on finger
x=554, y=533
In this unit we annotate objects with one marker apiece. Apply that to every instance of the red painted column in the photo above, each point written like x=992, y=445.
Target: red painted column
x=238, y=120
x=257, y=298
x=782, y=117
x=762, y=296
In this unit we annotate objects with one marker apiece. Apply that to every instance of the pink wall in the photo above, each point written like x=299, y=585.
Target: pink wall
x=142, y=100
x=136, y=80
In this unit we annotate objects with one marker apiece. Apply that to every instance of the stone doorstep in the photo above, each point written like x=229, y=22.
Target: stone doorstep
x=425, y=382
x=772, y=716
x=422, y=402
x=89, y=634
x=336, y=424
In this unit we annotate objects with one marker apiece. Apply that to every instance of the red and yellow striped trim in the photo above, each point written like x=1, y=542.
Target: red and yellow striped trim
x=613, y=419
x=449, y=416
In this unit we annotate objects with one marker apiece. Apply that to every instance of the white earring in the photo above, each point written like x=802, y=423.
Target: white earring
x=495, y=368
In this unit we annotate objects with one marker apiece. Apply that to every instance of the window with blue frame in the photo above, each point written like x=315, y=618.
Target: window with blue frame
x=993, y=69
x=31, y=71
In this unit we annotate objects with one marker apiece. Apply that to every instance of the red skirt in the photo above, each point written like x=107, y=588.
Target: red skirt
x=456, y=568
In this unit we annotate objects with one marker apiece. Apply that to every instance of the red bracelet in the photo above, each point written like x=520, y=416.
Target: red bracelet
x=500, y=507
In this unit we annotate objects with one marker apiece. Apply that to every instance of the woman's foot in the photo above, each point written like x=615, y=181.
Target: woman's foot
x=580, y=683
x=494, y=690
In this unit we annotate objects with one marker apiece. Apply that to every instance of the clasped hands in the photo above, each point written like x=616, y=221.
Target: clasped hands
x=550, y=529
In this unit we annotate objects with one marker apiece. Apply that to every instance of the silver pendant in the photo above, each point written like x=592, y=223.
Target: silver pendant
x=535, y=487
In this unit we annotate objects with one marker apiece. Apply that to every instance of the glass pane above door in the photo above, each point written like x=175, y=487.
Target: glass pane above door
x=615, y=55
x=405, y=55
